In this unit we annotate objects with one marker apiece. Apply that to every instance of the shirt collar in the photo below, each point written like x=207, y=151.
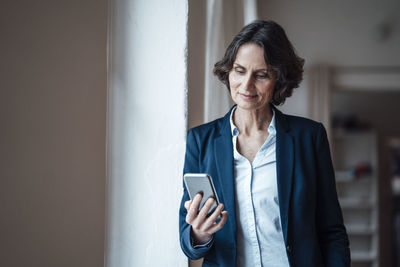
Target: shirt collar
x=235, y=131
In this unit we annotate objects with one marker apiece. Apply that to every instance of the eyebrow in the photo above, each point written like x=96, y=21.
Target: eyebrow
x=238, y=65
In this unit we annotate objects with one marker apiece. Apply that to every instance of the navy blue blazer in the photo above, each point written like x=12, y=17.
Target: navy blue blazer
x=311, y=217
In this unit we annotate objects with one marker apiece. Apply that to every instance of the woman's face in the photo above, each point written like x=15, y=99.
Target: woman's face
x=251, y=84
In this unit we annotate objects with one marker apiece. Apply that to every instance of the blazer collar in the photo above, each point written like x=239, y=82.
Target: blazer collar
x=281, y=120
x=223, y=152
x=284, y=167
x=225, y=126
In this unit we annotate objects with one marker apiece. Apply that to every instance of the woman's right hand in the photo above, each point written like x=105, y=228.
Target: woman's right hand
x=204, y=227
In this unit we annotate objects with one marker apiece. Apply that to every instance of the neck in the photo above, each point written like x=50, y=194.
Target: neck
x=251, y=121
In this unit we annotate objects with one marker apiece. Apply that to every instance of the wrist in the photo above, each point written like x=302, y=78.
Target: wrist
x=199, y=239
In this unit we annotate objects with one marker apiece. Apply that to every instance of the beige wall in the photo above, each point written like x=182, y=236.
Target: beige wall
x=196, y=61
x=53, y=132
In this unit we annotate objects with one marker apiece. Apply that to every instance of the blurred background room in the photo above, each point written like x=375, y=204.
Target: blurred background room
x=96, y=98
x=351, y=84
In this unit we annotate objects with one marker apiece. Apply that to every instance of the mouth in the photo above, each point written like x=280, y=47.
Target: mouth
x=247, y=96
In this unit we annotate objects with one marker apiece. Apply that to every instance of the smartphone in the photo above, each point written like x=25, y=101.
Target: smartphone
x=203, y=184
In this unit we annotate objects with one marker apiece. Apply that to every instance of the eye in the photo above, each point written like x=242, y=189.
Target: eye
x=239, y=70
x=260, y=76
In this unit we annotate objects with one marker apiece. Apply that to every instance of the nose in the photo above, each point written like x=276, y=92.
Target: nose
x=248, y=82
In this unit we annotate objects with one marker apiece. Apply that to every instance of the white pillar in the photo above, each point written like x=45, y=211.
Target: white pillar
x=147, y=129
x=224, y=19
x=250, y=11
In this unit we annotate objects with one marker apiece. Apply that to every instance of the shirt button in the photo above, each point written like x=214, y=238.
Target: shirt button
x=288, y=248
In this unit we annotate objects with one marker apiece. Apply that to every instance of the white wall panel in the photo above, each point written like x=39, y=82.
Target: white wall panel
x=147, y=130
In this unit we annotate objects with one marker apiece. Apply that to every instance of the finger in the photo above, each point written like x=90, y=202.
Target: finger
x=187, y=204
x=211, y=220
x=217, y=212
x=220, y=224
x=204, y=210
x=193, y=209
x=198, y=223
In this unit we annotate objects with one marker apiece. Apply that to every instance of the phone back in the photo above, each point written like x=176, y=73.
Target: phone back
x=201, y=183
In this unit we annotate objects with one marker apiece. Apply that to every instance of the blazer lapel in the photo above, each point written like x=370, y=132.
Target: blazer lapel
x=223, y=152
x=284, y=166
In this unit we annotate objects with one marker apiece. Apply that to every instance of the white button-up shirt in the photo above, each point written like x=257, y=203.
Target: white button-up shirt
x=259, y=234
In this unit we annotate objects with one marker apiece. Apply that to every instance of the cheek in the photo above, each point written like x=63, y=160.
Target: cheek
x=269, y=88
x=233, y=80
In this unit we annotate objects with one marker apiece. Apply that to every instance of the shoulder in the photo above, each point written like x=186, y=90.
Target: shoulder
x=300, y=126
x=212, y=129
x=207, y=130
x=303, y=124
x=307, y=133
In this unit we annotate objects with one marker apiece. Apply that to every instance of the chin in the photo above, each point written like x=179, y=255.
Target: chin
x=248, y=106
x=251, y=106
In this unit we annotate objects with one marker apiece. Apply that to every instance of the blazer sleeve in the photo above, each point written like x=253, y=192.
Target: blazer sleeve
x=191, y=166
x=332, y=234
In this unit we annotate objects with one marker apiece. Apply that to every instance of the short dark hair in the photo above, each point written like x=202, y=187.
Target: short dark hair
x=279, y=55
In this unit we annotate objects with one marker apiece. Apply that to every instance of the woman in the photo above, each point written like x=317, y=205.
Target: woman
x=272, y=172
